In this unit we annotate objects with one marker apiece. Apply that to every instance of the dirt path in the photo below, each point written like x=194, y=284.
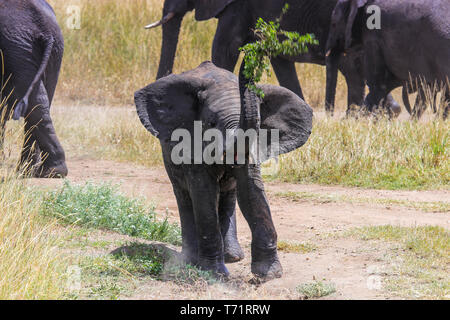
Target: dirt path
x=349, y=263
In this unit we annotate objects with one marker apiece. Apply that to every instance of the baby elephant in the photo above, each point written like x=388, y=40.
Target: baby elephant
x=204, y=119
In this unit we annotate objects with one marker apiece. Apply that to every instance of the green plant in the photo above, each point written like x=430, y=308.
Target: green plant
x=295, y=247
x=189, y=274
x=102, y=206
x=258, y=54
x=316, y=289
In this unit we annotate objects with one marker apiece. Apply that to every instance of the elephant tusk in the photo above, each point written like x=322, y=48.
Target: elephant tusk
x=328, y=53
x=164, y=20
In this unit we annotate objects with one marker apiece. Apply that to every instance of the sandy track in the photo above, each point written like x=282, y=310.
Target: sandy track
x=346, y=262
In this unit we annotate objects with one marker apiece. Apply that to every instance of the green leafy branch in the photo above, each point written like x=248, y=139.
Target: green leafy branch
x=258, y=54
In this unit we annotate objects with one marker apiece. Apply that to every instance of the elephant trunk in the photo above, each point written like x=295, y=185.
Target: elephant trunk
x=250, y=117
x=332, y=61
x=171, y=31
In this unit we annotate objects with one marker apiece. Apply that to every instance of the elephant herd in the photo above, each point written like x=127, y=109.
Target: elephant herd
x=412, y=44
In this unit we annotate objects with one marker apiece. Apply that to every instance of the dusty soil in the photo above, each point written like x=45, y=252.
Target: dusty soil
x=348, y=263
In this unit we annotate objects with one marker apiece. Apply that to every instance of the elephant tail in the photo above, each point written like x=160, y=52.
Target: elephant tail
x=22, y=107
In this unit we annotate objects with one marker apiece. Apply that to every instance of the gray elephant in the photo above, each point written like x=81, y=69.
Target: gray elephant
x=32, y=45
x=237, y=18
x=412, y=43
x=218, y=100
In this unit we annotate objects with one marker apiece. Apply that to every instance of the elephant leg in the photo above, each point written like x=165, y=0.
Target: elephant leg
x=379, y=79
x=287, y=75
x=204, y=192
x=41, y=129
x=446, y=112
x=352, y=69
x=2, y=138
x=232, y=33
x=391, y=106
x=227, y=216
x=188, y=228
x=255, y=207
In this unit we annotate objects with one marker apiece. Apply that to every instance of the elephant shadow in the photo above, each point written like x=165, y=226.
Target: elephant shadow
x=135, y=250
x=170, y=258
x=174, y=268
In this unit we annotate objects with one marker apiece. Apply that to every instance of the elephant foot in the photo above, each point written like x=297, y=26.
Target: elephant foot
x=60, y=171
x=265, y=264
x=267, y=270
x=394, y=111
x=354, y=111
x=217, y=268
x=233, y=253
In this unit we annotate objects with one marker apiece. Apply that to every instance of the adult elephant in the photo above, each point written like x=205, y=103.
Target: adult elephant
x=32, y=46
x=237, y=18
x=413, y=43
x=215, y=98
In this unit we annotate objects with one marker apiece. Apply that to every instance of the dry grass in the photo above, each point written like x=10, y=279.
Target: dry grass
x=388, y=154
x=112, y=55
x=30, y=268
x=384, y=154
x=418, y=266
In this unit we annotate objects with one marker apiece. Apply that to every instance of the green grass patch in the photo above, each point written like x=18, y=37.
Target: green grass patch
x=186, y=274
x=316, y=289
x=295, y=247
x=383, y=155
x=119, y=273
x=137, y=261
x=420, y=263
x=102, y=206
x=429, y=206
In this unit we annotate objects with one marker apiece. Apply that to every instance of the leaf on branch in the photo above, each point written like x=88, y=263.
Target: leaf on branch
x=258, y=54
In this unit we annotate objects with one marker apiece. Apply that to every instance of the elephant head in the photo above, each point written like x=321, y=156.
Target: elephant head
x=173, y=14
x=340, y=39
x=214, y=96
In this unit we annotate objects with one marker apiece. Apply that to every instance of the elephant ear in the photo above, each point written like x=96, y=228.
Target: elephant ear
x=169, y=103
x=343, y=19
x=354, y=8
x=208, y=9
x=283, y=110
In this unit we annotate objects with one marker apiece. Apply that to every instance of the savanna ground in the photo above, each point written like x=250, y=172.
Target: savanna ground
x=362, y=211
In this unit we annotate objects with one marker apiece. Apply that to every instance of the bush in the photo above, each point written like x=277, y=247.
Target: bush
x=102, y=206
